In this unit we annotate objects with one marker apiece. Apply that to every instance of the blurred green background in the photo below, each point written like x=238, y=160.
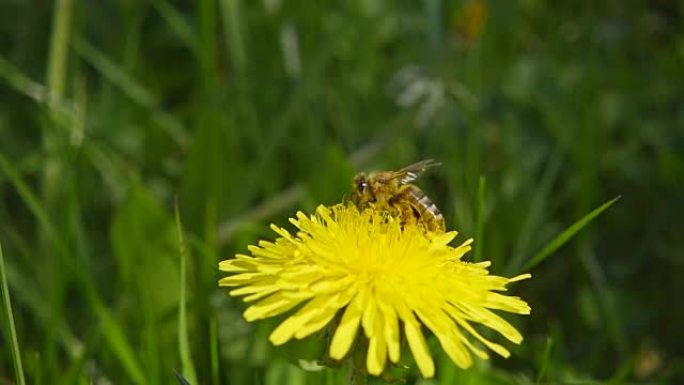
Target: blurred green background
x=247, y=111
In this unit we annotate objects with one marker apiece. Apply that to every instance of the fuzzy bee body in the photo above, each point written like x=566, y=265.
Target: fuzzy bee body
x=392, y=192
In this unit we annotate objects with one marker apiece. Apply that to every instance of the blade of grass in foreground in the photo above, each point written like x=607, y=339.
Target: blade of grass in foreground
x=566, y=235
x=14, y=342
x=187, y=367
x=110, y=328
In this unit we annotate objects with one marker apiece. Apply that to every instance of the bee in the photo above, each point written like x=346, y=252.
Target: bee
x=392, y=191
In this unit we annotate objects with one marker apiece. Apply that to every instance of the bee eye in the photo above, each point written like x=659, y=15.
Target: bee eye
x=363, y=185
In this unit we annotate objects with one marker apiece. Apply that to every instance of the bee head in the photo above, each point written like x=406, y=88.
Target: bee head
x=361, y=182
x=362, y=189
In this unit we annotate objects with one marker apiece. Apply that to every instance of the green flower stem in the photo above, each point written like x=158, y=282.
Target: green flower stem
x=357, y=368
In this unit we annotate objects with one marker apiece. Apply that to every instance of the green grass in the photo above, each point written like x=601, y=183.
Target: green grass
x=566, y=235
x=250, y=111
x=8, y=322
x=188, y=369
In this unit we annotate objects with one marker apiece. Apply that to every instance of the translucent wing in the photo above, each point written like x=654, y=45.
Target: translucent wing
x=411, y=172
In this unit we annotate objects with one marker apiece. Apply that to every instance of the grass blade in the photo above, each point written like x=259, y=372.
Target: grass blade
x=177, y=23
x=233, y=17
x=14, y=342
x=59, y=44
x=118, y=343
x=181, y=380
x=66, y=111
x=21, y=83
x=32, y=202
x=115, y=74
x=112, y=331
x=214, y=341
x=566, y=235
x=535, y=214
x=135, y=91
x=544, y=360
x=479, y=220
x=187, y=367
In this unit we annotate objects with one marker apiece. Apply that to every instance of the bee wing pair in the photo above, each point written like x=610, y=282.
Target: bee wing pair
x=411, y=172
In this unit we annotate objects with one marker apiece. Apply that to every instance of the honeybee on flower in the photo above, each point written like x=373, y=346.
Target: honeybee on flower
x=393, y=192
x=371, y=266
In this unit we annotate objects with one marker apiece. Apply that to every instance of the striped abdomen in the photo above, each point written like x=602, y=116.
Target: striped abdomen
x=424, y=209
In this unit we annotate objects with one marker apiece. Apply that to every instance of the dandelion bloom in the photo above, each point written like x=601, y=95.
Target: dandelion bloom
x=381, y=275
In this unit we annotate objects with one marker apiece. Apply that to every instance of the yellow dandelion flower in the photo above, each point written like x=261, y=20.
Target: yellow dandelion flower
x=382, y=276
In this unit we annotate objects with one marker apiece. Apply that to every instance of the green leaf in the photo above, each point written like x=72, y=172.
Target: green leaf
x=142, y=235
x=566, y=235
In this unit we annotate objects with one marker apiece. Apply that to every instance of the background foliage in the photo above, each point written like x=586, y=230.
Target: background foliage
x=249, y=110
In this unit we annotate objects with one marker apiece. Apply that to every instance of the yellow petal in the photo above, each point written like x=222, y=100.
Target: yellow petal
x=263, y=285
x=316, y=323
x=235, y=266
x=455, y=349
x=346, y=331
x=328, y=310
x=506, y=303
x=377, y=355
x=263, y=293
x=443, y=239
x=391, y=329
x=276, y=304
x=500, y=350
x=520, y=277
x=448, y=335
x=369, y=319
x=486, y=318
x=419, y=348
x=241, y=279
x=294, y=323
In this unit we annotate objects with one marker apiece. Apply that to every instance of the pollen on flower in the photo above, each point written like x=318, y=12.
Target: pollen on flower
x=381, y=276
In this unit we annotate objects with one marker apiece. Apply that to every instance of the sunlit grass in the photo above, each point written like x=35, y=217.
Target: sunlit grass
x=539, y=114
